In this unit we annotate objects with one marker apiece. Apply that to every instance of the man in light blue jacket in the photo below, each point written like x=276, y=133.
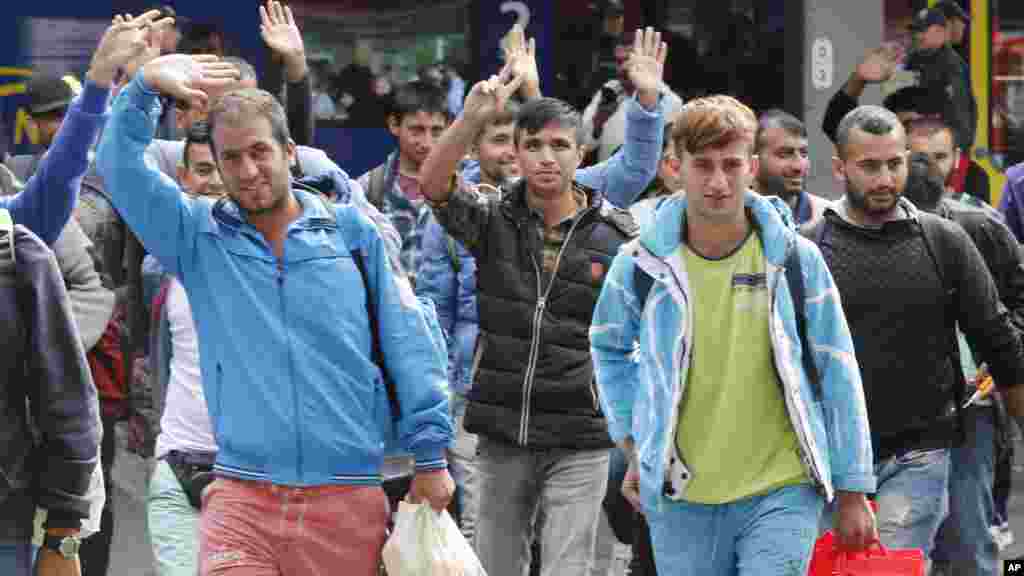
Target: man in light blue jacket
x=736, y=439
x=299, y=406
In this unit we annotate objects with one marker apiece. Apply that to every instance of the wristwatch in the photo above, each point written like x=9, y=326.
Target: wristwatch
x=66, y=546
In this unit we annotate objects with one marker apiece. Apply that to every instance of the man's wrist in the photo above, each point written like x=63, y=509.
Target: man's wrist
x=648, y=99
x=101, y=76
x=295, y=68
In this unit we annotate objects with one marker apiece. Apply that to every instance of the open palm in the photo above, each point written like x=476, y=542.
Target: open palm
x=191, y=78
x=880, y=63
x=279, y=30
x=646, y=64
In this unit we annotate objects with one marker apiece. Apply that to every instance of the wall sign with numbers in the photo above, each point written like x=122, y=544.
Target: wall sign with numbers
x=823, y=63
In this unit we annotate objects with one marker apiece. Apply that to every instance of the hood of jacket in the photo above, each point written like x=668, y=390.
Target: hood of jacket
x=772, y=217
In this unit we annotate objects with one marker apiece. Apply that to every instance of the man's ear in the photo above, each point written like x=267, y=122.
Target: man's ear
x=394, y=124
x=838, y=169
x=182, y=173
x=290, y=151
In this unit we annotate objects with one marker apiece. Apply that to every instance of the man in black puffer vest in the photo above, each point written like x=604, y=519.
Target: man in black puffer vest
x=542, y=252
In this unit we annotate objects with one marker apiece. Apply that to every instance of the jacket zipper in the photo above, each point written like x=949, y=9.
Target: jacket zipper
x=806, y=455
x=538, y=318
x=677, y=387
x=291, y=368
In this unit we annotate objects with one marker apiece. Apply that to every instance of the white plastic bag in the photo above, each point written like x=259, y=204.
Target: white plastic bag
x=425, y=543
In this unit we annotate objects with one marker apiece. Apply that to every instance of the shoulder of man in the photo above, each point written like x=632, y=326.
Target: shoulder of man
x=21, y=165
x=619, y=218
x=9, y=183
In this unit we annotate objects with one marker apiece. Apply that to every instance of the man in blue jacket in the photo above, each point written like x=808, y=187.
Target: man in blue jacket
x=735, y=443
x=299, y=407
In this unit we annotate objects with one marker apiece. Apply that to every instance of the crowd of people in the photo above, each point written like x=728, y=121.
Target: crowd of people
x=569, y=329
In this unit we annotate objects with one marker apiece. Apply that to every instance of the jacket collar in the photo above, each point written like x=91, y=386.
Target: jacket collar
x=772, y=218
x=908, y=212
x=513, y=202
x=315, y=213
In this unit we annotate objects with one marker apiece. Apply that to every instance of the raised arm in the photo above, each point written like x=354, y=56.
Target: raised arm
x=878, y=65
x=625, y=175
x=150, y=202
x=282, y=36
x=51, y=193
x=485, y=99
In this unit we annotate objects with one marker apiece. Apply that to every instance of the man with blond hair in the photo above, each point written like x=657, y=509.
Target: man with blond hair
x=752, y=409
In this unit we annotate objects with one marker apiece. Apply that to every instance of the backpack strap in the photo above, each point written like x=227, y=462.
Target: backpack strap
x=377, y=352
x=795, y=280
x=937, y=243
x=454, y=255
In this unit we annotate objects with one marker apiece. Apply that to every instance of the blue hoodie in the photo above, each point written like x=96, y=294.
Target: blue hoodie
x=285, y=344
x=640, y=393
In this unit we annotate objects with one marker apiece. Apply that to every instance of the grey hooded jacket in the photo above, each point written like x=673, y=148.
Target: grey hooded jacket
x=46, y=380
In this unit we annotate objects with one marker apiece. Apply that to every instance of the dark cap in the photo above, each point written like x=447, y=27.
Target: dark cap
x=49, y=93
x=614, y=8
x=926, y=18
x=952, y=9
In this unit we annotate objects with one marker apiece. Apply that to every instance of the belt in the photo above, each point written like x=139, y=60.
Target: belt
x=198, y=460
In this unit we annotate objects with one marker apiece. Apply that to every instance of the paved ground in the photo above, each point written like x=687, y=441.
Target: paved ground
x=132, y=554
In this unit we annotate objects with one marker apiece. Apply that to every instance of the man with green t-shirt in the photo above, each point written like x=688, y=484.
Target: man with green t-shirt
x=739, y=424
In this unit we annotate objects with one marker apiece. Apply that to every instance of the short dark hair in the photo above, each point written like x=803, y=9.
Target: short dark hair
x=929, y=125
x=925, y=187
x=236, y=105
x=914, y=99
x=245, y=69
x=197, y=38
x=871, y=119
x=420, y=96
x=538, y=113
x=776, y=118
x=198, y=133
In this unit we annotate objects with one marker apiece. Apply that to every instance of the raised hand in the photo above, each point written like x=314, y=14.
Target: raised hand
x=124, y=42
x=646, y=65
x=191, y=78
x=880, y=63
x=522, y=55
x=277, y=26
x=488, y=97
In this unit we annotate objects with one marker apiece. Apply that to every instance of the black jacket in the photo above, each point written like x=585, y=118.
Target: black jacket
x=533, y=378
x=46, y=382
x=1000, y=250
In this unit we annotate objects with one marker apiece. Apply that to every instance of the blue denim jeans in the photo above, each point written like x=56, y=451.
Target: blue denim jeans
x=965, y=545
x=768, y=535
x=173, y=524
x=913, y=498
x=17, y=558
